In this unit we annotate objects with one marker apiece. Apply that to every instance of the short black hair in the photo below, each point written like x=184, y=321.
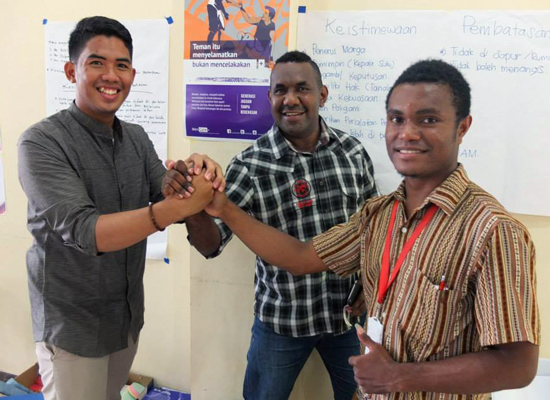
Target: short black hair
x=91, y=27
x=439, y=72
x=301, y=57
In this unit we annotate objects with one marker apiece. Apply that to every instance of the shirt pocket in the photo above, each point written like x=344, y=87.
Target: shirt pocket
x=431, y=321
x=350, y=176
x=284, y=201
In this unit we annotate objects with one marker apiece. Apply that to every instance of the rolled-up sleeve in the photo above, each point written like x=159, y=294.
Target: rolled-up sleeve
x=56, y=194
x=240, y=192
x=156, y=170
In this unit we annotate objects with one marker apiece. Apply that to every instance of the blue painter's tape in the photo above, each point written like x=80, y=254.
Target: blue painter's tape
x=301, y=9
x=44, y=21
x=169, y=20
x=167, y=260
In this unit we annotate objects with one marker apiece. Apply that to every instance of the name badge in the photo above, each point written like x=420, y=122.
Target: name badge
x=375, y=330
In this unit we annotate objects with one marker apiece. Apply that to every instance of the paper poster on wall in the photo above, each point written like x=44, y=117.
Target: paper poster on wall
x=230, y=47
x=504, y=55
x=2, y=187
x=147, y=103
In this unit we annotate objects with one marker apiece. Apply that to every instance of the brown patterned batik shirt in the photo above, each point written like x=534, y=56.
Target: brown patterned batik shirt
x=486, y=256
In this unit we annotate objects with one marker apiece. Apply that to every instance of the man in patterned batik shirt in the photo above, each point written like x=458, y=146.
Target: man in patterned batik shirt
x=448, y=274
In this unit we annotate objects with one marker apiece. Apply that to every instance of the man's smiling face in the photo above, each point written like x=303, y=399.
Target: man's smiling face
x=295, y=96
x=103, y=75
x=422, y=134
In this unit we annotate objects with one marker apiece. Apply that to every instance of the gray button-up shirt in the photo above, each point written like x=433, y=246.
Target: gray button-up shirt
x=74, y=169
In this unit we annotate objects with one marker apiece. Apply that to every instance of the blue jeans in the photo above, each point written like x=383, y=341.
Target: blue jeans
x=274, y=362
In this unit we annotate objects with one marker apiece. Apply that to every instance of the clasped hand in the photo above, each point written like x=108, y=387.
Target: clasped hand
x=375, y=372
x=178, y=180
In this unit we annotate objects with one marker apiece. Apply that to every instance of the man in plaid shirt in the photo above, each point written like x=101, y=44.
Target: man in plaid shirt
x=301, y=177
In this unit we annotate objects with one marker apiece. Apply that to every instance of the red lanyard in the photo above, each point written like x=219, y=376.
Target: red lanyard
x=385, y=283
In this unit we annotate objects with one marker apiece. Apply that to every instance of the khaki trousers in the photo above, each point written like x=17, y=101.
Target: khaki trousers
x=66, y=376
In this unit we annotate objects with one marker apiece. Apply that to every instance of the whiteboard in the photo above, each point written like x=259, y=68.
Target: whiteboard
x=504, y=55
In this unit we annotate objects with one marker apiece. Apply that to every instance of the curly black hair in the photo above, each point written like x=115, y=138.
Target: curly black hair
x=439, y=72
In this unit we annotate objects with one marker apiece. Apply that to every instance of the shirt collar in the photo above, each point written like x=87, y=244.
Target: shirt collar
x=282, y=146
x=93, y=125
x=447, y=195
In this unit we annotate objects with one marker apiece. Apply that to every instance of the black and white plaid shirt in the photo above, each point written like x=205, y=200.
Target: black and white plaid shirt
x=302, y=194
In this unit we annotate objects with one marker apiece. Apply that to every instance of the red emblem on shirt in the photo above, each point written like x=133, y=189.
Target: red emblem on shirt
x=301, y=188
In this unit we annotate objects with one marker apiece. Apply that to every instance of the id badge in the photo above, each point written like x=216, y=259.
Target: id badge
x=375, y=330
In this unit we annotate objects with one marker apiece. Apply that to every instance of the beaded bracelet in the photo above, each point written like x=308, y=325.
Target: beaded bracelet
x=153, y=220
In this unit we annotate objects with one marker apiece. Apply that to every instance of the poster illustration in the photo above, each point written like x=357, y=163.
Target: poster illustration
x=230, y=48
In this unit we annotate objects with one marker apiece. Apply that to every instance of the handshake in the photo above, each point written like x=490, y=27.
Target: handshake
x=198, y=181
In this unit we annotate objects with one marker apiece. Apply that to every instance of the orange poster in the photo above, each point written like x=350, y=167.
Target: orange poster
x=256, y=28
x=230, y=46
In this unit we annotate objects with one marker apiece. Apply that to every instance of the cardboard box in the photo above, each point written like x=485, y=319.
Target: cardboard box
x=146, y=381
x=28, y=377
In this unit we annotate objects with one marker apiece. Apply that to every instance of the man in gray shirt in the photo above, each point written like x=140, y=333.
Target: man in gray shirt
x=89, y=179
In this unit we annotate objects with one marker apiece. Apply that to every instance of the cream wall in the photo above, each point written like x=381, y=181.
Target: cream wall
x=198, y=312
x=165, y=342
